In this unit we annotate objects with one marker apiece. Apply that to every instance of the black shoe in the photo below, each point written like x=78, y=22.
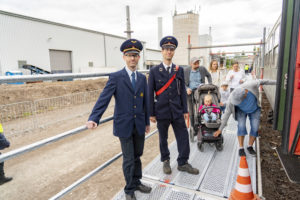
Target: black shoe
x=251, y=151
x=167, y=168
x=188, y=168
x=5, y=180
x=242, y=152
x=143, y=188
x=130, y=197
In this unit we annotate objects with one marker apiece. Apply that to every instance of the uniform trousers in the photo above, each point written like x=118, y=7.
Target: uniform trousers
x=181, y=135
x=132, y=149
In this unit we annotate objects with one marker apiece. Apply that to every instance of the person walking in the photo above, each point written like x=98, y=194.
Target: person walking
x=194, y=76
x=243, y=102
x=235, y=77
x=4, y=143
x=215, y=73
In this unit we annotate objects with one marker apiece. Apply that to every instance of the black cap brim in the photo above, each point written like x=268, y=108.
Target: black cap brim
x=132, y=51
x=168, y=46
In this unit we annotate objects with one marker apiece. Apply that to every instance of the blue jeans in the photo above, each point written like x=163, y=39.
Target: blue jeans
x=132, y=149
x=213, y=116
x=254, y=122
x=223, y=108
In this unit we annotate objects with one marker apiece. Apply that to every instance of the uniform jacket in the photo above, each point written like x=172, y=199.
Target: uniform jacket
x=203, y=72
x=172, y=102
x=251, y=86
x=131, y=107
x=4, y=143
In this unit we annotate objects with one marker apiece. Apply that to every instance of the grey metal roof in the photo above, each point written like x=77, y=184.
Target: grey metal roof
x=59, y=24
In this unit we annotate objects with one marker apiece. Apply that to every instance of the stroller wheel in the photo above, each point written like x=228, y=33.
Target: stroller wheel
x=200, y=146
x=219, y=146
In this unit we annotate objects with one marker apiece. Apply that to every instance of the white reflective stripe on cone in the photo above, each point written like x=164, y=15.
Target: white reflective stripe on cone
x=243, y=172
x=243, y=188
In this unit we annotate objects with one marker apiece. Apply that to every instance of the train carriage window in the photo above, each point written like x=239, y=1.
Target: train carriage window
x=276, y=56
x=273, y=40
x=267, y=60
x=271, y=58
x=277, y=34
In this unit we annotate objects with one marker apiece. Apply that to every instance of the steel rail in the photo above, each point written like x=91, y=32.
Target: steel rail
x=30, y=147
x=92, y=173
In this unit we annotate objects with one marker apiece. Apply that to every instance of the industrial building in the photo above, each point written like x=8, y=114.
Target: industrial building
x=60, y=48
x=184, y=25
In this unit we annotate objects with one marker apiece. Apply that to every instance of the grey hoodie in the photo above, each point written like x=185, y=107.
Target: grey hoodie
x=252, y=86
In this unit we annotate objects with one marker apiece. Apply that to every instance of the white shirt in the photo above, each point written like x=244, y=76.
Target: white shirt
x=129, y=72
x=215, y=76
x=168, y=66
x=224, y=95
x=237, y=76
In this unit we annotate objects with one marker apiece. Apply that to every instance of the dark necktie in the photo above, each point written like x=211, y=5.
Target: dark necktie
x=133, y=80
x=168, y=70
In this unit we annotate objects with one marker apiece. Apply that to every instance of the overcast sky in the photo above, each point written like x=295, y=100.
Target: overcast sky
x=232, y=21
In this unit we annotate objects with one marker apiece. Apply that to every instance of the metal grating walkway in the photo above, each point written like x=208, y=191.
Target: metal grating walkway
x=217, y=177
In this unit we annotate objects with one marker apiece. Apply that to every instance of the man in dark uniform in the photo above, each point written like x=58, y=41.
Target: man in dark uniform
x=4, y=143
x=169, y=106
x=131, y=115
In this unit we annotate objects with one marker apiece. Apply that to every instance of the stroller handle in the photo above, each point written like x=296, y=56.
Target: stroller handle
x=217, y=107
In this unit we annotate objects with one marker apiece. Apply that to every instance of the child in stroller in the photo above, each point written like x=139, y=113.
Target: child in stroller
x=209, y=116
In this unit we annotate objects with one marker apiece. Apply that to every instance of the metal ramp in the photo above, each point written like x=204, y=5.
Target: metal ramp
x=217, y=177
x=35, y=70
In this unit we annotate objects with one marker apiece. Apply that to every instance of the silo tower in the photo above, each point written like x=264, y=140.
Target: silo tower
x=183, y=25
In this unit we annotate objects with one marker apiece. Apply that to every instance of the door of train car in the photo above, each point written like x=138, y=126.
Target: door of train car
x=287, y=101
x=287, y=93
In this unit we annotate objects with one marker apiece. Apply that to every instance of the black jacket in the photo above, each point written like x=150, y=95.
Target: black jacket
x=4, y=143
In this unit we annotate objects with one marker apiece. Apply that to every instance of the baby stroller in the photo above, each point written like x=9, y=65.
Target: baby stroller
x=204, y=130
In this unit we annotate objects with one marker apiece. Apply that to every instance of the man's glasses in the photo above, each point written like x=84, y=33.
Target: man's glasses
x=132, y=55
x=169, y=49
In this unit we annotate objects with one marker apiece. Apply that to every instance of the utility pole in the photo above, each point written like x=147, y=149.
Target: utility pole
x=159, y=27
x=128, y=31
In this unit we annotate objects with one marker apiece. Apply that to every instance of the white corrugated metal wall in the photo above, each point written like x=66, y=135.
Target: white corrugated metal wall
x=30, y=39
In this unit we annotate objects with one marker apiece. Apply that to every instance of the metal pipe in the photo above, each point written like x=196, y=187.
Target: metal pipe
x=226, y=45
x=159, y=32
x=263, y=48
x=220, y=53
x=92, y=173
x=45, y=77
x=22, y=150
x=104, y=46
x=259, y=176
x=128, y=31
x=189, y=49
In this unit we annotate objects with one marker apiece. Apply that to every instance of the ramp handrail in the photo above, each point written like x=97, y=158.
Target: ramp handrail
x=46, y=77
x=30, y=147
x=92, y=173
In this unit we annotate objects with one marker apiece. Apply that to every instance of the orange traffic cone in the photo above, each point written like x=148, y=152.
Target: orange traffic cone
x=243, y=188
